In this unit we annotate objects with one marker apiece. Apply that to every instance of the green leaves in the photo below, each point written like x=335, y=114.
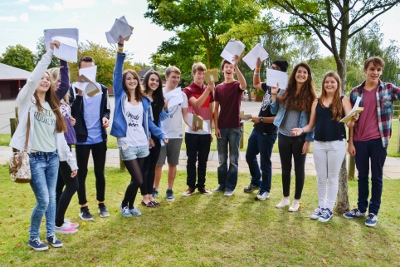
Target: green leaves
x=19, y=56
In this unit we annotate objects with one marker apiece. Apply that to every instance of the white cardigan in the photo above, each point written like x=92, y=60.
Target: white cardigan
x=25, y=101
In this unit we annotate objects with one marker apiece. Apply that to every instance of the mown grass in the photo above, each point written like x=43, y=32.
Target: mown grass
x=203, y=230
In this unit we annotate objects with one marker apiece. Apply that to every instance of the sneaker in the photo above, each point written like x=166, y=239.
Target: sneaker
x=155, y=193
x=125, y=211
x=219, y=189
x=317, y=213
x=250, y=188
x=205, y=191
x=355, y=213
x=71, y=224
x=85, y=214
x=169, y=195
x=262, y=195
x=135, y=211
x=52, y=240
x=326, y=215
x=284, y=203
x=371, y=220
x=103, y=211
x=295, y=206
x=188, y=192
x=229, y=193
x=65, y=228
x=38, y=245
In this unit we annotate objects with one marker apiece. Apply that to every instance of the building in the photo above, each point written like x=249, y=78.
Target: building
x=11, y=81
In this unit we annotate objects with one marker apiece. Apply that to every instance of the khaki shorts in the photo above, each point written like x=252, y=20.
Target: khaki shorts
x=171, y=151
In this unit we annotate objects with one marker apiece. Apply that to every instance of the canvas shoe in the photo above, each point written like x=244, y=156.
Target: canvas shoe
x=284, y=203
x=125, y=211
x=169, y=195
x=295, y=206
x=52, y=240
x=37, y=245
x=65, y=228
x=155, y=193
x=371, y=220
x=205, y=191
x=229, y=193
x=85, y=214
x=103, y=211
x=355, y=213
x=188, y=192
x=262, y=195
x=326, y=215
x=219, y=189
x=135, y=211
x=251, y=188
x=317, y=213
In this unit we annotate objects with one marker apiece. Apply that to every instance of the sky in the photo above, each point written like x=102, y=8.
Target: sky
x=23, y=21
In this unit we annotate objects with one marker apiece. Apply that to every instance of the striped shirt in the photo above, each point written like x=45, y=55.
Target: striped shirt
x=386, y=94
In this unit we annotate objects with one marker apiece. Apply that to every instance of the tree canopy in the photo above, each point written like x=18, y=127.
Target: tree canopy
x=19, y=56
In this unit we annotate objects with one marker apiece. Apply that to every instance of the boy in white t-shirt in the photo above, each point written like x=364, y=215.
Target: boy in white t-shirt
x=172, y=127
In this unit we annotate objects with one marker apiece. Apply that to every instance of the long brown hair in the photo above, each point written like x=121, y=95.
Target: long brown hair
x=336, y=105
x=306, y=96
x=138, y=89
x=52, y=98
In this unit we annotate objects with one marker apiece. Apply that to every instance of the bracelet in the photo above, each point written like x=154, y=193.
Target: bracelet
x=120, y=45
x=120, y=49
x=256, y=73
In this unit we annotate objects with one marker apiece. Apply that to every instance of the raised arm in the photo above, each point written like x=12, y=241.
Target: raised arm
x=64, y=78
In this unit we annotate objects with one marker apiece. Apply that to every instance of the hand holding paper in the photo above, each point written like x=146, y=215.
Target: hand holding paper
x=86, y=81
x=120, y=27
x=257, y=52
x=355, y=110
x=277, y=77
x=231, y=49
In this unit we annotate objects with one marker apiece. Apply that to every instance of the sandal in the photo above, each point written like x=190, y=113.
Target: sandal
x=148, y=204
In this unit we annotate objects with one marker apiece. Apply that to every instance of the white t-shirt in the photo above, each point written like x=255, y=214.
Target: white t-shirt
x=43, y=138
x=172, y=125
x=135, y=135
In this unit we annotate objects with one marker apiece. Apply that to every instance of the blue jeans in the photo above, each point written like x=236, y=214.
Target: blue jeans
x=367, y=151
x=260, y=143
x=44, y=169
x=227, y=177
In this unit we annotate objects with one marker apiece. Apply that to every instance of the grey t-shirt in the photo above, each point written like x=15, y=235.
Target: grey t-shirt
x=290, y=120
x=43, y=138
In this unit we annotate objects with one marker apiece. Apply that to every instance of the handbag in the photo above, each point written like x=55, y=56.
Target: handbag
x=20, y=168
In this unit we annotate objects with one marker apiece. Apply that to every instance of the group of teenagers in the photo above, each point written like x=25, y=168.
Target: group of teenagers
x=149, y=133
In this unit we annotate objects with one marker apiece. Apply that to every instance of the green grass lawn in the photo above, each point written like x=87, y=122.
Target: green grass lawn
x=203, y=230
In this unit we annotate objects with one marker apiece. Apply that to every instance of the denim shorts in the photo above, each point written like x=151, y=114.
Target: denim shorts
x=134, y=152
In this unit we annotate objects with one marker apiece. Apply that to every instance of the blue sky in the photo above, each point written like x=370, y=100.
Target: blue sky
x=23, y=21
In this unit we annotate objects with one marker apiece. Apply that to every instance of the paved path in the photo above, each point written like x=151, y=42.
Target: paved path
x=391, y=169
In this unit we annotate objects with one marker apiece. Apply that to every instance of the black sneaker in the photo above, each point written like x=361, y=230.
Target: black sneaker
x=85, y=214
x=103, y=211
x=169, y=195
x=37, y=245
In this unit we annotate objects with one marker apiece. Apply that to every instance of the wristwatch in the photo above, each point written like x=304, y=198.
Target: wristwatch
x=261, y=119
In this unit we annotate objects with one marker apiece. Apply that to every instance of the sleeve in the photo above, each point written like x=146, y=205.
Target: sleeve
x=64, y=76
x=107, y=107
x=117, y=77
x=163, y=115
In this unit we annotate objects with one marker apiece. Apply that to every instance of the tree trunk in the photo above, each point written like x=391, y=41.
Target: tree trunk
x=342, y=204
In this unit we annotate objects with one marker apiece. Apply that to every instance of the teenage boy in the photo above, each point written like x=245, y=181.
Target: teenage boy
x=92, y=116
x=263, y=137
x=198, y=141
x=369, y=139
x=228, y=97
x=172, y=127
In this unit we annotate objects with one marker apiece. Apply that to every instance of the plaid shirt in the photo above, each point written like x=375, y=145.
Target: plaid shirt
x=386, y=94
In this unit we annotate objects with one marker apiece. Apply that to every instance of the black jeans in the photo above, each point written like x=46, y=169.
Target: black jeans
x=149, y=168
x=197, y=150
x=288, y=147
x=63, y=198
x=99, y=160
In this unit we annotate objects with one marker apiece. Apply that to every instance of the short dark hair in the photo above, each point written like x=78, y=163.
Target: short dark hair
x=223, y=62
x=376, y=61
x=85, y=59
x=282, y=64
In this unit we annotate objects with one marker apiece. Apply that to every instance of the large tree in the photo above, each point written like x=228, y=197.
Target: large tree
x=19, y=56
x=334, y=22
x=197, y=25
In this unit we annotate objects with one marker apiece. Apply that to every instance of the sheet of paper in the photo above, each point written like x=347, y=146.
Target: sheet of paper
x=356, y=109
x=86, y=81
x=257, y=52
x=174, y=97
x=205, y=125
x=232, y=49
x=211, y=76
x=120, y=27
x=68, y=49
x=72, y=33
x=275, y=77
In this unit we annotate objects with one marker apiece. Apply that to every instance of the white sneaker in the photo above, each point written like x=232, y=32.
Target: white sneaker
x=295, y=205
x=284, y=203
x=65, y=229
x=262, y=196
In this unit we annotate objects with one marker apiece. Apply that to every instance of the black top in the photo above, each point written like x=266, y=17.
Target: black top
x=265, y=111
x=327, y=129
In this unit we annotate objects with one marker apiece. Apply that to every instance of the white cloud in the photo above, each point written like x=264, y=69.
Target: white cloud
x=78, y=4
x=76, y=18
x=24, y=17
x=119, y=2
x=58, y=6
x=39, y=8
x=9, y=18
